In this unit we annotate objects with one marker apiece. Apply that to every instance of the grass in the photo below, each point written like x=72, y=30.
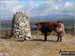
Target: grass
x=36, y=47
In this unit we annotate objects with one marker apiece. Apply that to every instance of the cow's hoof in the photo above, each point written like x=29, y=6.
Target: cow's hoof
x=44, y=40
x=57, y=41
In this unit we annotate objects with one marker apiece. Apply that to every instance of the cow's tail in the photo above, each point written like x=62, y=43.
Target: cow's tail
x=63, y=30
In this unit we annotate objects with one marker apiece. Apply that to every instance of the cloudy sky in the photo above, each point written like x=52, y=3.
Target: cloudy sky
x=36, y=7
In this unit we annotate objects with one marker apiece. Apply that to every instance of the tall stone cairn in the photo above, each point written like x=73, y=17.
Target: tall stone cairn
x=20, y=25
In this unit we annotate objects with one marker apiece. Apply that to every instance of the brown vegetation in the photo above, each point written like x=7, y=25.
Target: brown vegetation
x=35, y=47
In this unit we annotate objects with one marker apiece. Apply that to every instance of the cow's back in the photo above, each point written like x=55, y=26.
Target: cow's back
x=48, y=26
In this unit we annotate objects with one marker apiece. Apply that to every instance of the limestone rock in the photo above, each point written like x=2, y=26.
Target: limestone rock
x=20, y=25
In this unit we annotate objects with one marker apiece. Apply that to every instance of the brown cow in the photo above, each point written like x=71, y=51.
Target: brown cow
x=46, y=27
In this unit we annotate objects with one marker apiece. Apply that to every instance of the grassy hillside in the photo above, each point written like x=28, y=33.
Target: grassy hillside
x=8, y=23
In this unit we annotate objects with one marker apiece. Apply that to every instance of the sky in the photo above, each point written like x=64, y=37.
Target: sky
x=36, y=7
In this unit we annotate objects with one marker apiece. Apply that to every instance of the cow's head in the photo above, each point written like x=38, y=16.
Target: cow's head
x=39, y=26
x=59, y=22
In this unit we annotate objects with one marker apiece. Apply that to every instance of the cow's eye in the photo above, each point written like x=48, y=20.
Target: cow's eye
x=35, y=24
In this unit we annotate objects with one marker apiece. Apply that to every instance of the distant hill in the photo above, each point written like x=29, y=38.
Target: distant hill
x=8, y=23
x=55, y=17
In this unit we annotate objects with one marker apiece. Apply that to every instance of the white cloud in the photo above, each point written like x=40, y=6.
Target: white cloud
x=33, y=7
x=9, y=0
x=67, y=4
x=56, y=7
x=8, y=8
x=16, y=8
x=37, y=5
x=61, y=0
x=43, y=8
x=52, y=8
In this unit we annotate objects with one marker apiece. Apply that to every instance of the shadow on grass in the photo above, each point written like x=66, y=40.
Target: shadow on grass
x=4, y=37
x=36, y=40
x=28, y=40
x=51, y=41
x=20, y=40
x=43, y=40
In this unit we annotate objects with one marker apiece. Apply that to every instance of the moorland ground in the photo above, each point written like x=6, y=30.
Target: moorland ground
x=36, y=46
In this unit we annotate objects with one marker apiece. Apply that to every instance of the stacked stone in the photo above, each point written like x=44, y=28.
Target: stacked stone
x=20, y=25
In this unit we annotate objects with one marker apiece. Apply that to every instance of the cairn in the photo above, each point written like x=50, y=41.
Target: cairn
x=20, y=26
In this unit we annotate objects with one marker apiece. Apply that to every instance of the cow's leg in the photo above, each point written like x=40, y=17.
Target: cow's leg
x=58, y=36
x=45, y=36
